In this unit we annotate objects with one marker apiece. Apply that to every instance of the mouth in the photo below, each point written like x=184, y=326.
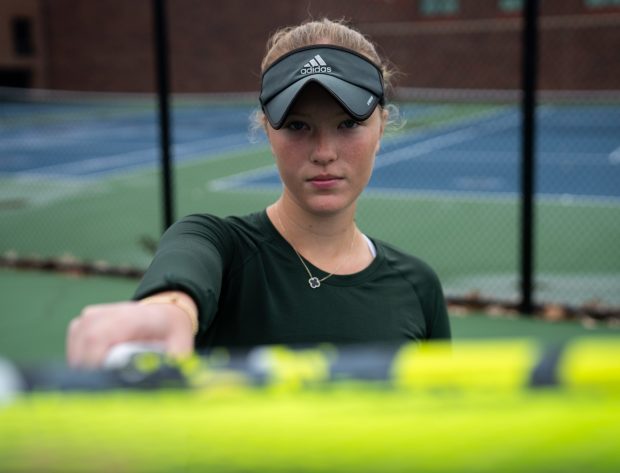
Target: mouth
x=324, y=178
x=325, y=181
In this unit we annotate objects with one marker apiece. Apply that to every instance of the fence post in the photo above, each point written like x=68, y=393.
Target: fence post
x=528, y=161
x=161, y=70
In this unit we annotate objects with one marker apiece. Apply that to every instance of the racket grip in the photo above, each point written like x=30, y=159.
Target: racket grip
x=120, y=355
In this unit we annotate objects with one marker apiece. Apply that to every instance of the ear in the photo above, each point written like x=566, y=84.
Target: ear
x=268, y=132
x=385, y=115
x=383, y=120
x=265, y=123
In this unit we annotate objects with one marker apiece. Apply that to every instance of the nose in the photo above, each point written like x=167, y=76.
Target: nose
x=325, y=149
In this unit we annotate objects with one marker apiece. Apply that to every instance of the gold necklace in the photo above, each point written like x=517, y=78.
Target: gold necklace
x=313, y=281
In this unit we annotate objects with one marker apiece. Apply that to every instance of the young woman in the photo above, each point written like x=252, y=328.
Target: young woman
x=300, y=271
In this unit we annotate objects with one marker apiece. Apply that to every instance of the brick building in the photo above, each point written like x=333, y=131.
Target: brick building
x=216, y=46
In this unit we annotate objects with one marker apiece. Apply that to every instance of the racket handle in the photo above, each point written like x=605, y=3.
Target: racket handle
x=120, y=355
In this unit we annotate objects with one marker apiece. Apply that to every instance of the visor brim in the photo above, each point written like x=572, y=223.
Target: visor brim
x=358, y=102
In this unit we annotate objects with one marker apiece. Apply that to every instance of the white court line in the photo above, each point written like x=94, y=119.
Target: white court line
x=512, y=198
x=424, y=147
x=496, y=197
x=512, y=157
x=116, y=163
x=93, y=163
x=614, y=156
x=38, y=190
x=486, y=126
x=240, y=179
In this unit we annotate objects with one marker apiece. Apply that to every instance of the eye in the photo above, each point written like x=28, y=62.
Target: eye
x=350, y=123
x=295, y=125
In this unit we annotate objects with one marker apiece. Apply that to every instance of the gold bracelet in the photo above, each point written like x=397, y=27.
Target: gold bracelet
x=174, y=299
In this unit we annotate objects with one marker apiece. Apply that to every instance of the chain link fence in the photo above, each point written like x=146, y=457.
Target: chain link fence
x=79, y=177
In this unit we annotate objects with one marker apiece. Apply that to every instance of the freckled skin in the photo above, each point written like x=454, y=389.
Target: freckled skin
x=325, y=157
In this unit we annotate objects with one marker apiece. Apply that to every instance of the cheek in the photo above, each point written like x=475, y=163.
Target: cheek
x=366, y=160
x=364, y=153
x=283, y=148
x=286, y=156
x=280, y=152
x=278, y=149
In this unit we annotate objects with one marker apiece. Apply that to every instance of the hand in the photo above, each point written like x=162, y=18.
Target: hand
x=99, y=327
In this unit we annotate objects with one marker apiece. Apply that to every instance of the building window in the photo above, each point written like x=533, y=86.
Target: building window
x=510, y=6
x=438, y=7
x=21, y=78
x=602, y=3
x=23, y=41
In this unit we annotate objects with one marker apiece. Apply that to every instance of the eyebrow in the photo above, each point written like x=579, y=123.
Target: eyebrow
x=305, y=115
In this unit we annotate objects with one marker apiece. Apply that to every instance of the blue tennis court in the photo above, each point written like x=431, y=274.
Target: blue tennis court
x=81, y=141
x=578, y=148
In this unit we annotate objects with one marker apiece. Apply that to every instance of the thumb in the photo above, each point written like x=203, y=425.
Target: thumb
x=180, y=343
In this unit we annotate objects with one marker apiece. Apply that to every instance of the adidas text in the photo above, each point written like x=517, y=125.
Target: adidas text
x=314, y=70
x=314, y=66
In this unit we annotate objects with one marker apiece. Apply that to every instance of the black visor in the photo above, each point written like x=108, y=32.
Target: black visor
x=354, y=81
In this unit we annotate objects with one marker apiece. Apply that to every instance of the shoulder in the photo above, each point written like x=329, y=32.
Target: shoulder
x=425, y=283
x=228, y=234
x=413, y=269
x=204, y=224
x=205, y=219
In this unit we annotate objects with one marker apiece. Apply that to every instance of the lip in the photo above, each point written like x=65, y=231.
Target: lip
x=324, y=181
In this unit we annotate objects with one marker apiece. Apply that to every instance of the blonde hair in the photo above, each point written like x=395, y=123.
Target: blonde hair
x=324, y=31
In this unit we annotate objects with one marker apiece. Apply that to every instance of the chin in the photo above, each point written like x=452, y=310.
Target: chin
x=328, y=205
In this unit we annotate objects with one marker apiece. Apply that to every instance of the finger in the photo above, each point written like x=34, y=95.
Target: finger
x=91, y=334
x=94, y=356
x=180, y=344
x=71, y=340
x=76, y=332
x=179, y=332
x=91, y=340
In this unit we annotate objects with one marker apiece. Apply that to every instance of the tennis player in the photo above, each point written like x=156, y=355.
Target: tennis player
x=299, y=271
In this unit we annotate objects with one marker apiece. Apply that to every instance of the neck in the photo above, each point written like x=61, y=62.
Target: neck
x=332, y=243
x=327, y=242
x=304, y=229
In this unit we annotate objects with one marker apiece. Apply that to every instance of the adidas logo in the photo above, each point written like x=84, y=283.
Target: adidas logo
x=315, y=65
